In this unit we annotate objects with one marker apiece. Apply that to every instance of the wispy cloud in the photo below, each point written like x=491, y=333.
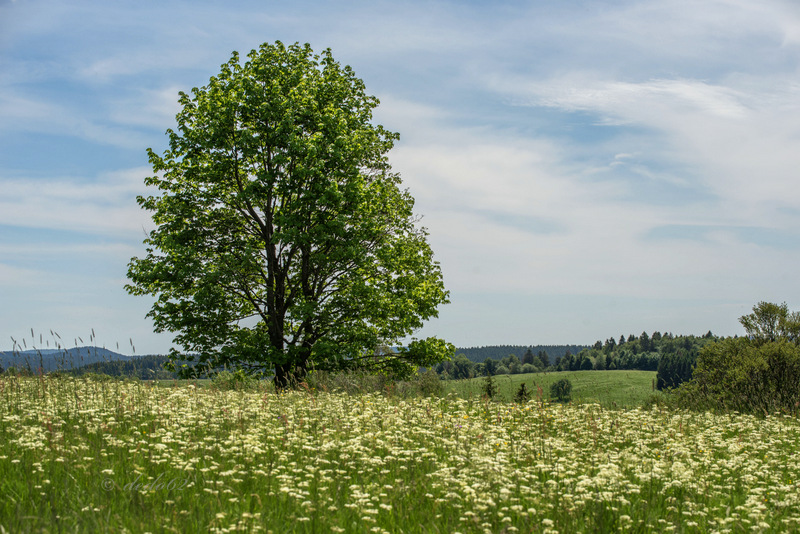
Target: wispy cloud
x=104, y=206
x=603, y=244
x=23, y=114
x=644, y=103
x=147, y=108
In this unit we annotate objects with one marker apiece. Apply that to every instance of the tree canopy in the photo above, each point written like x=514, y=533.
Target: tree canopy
x=772, y=322
x=284, y=241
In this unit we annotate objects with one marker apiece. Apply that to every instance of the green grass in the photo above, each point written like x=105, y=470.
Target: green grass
x=607, y=388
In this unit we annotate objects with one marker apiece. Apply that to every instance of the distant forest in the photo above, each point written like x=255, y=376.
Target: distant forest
x=498, y=352
x=674, y=358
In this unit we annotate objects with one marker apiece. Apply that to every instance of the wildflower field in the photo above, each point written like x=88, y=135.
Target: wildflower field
x=113, y=456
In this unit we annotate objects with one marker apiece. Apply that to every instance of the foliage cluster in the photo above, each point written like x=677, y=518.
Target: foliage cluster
x=489, y=387
x=462, y=367
x=643, y=352
x=236, y=380
x=758, y=373
x=674, y=368
x=498, y=352
x=523, y=394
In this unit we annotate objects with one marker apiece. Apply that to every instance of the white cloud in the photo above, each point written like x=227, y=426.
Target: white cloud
x=38, y=115
x=596, y=242
x=106, y=206
x=625, y=102
x=149, y=108
x=741, y=139
x=18, y=277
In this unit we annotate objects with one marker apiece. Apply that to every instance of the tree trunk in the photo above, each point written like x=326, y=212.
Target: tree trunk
x=282, y=376
x=290, y=375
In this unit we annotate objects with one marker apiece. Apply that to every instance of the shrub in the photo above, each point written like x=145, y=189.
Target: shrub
x=502, y=370
x=528, y=368
x=561, y=390
x=600, y=363
x=759, y=373
x=743, y=375
x=462, y=367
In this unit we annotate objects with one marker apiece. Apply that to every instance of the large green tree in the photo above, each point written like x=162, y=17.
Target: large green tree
x=284, y=242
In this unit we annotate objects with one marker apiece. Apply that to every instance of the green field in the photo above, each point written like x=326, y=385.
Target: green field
x=82, y=455
x=607, y=388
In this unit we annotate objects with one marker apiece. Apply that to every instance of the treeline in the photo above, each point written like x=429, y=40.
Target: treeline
x=642, y=353
x=498, y=352
x=673, y=356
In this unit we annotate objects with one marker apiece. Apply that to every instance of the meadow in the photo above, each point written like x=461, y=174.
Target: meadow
x=82, y=455
x=610, y=389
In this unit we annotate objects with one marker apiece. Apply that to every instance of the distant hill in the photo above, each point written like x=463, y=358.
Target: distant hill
x=498, y=352
x=55, y=359
x=141, y=367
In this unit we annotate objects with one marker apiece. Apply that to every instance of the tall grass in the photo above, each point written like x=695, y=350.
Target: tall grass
x=81, y=455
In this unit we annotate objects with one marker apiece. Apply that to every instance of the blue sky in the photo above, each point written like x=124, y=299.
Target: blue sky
x=585, y=169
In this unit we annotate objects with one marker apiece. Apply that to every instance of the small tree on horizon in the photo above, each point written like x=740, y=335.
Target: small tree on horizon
x=543, y=358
